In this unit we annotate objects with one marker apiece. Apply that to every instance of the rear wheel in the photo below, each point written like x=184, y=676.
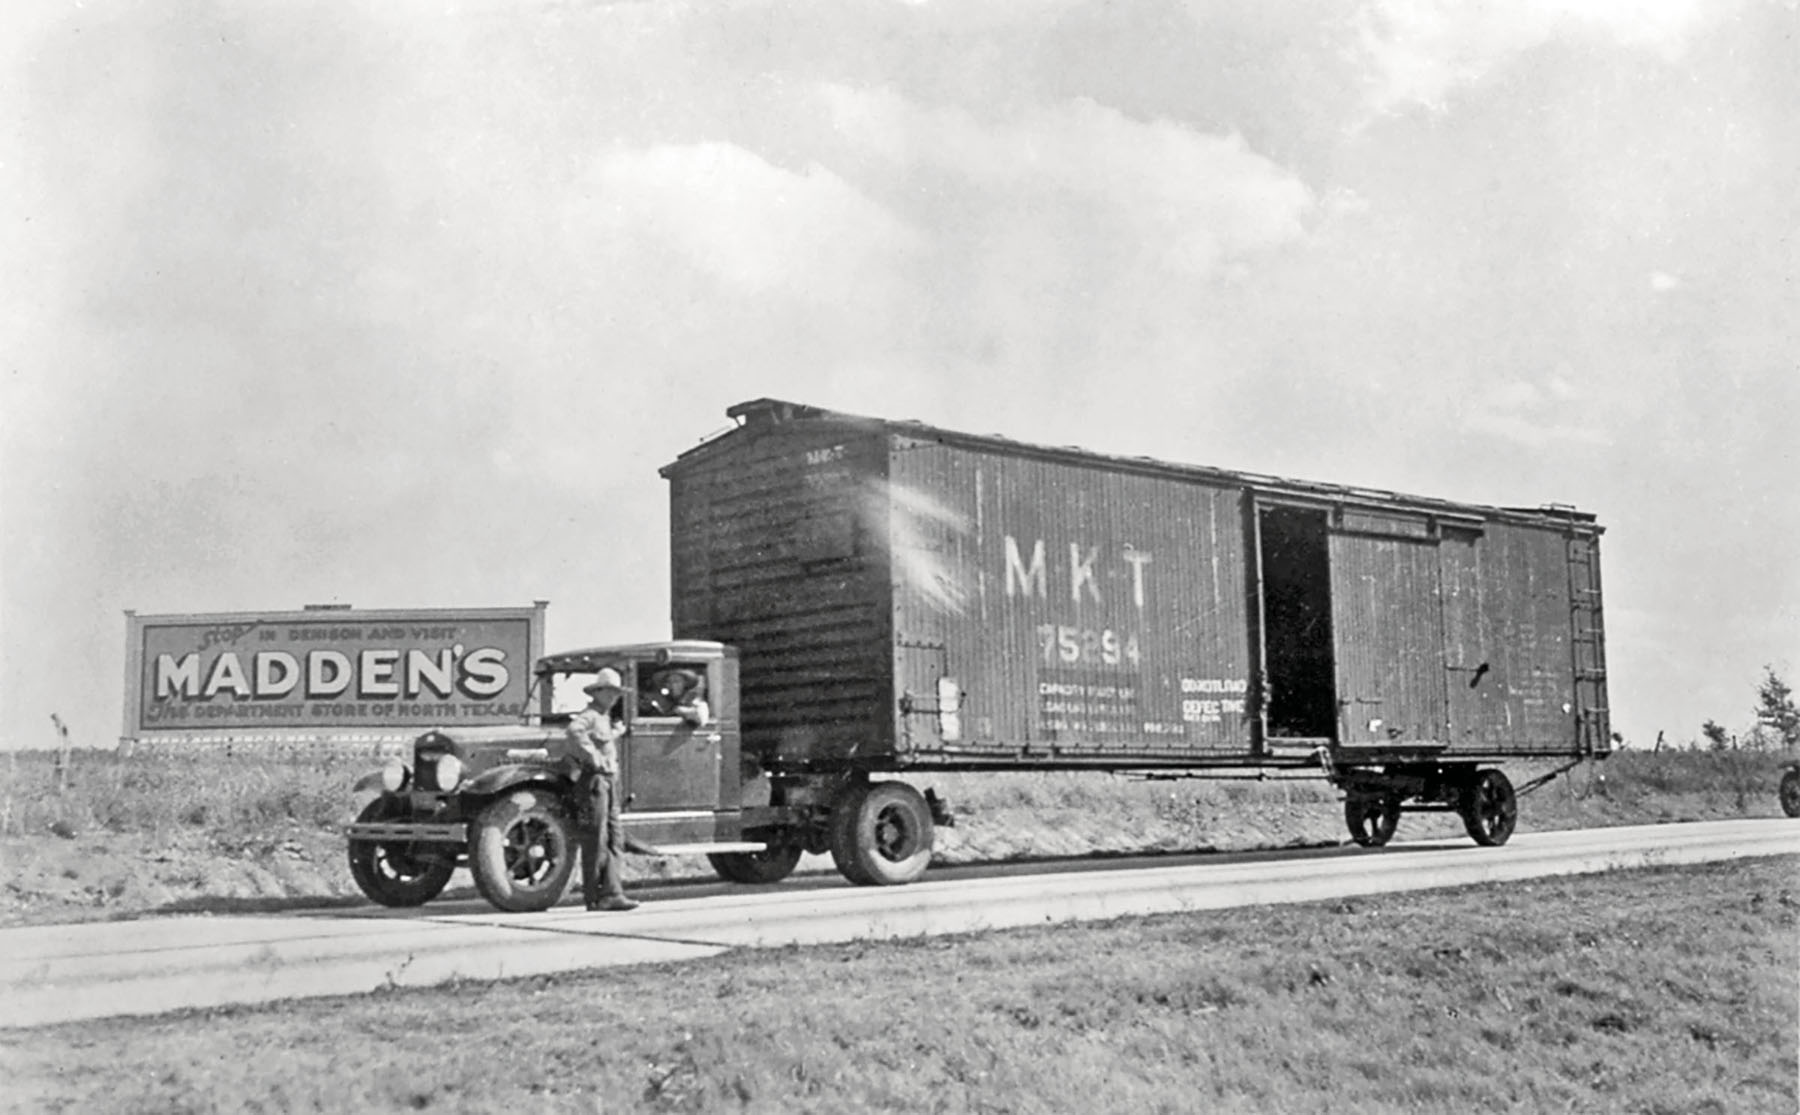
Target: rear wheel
x=523, y=851
x=841, y=833
x=1490, y=809
x=881, y=834
x=771, y=865
x=398, y=873
x=1790, y=793
x=1371, y=820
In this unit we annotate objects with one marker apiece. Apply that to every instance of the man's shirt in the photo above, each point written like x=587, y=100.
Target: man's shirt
x=597, y=737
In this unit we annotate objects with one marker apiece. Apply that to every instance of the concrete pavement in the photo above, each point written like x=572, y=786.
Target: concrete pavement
x=67, y=973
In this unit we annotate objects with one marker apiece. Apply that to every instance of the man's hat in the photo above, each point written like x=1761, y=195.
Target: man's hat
x=607, y=678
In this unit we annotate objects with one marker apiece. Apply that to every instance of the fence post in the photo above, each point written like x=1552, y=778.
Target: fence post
x=62, y=753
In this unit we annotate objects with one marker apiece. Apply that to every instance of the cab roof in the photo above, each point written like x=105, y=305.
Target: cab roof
x=593, y=658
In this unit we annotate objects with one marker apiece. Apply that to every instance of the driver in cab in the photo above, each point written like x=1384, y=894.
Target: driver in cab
x=676, y=692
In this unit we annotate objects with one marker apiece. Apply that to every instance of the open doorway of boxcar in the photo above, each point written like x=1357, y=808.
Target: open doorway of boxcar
x=1301, y=675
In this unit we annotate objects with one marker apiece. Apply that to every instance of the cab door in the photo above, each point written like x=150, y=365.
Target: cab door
x=670, y=765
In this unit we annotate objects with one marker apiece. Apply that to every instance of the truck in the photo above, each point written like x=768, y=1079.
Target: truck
x=868, y=601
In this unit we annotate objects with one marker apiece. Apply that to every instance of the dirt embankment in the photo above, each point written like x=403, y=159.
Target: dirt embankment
x=97, y=875
x=72, y=871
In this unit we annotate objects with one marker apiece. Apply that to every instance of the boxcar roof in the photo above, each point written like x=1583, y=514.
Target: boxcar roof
x=764, y=415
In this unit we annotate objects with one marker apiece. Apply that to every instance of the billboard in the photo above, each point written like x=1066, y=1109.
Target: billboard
x=326, y=670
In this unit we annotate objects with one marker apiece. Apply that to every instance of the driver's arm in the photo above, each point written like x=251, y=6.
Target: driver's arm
x=694, y=710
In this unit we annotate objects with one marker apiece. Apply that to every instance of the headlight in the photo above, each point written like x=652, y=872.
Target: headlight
x=449, y=771
x=393, y=775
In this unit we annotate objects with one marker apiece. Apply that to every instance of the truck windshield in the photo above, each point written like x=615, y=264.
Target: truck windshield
x=567, y=691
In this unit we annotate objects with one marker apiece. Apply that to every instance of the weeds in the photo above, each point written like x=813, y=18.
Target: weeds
x=157, y=795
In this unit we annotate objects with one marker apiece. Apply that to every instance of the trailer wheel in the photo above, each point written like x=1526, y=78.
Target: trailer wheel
x=881, y=834
x=398, y=874
x=771, y=865
x=1490, y=809
x=1790, y=792
x=1372, y=820
x=523, y=852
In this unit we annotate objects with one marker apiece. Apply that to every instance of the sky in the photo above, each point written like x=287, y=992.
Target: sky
x=402, y=304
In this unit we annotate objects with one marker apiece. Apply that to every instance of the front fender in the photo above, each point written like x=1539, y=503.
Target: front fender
x=370, y=783
x=497, y=780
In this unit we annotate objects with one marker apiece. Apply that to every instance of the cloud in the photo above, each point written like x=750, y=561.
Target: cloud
x=1532, y=415
x=746, y=222
x=1420, y=51
x=1188, y=200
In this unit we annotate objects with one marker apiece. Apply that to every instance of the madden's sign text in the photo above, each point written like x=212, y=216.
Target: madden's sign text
x=329, y=670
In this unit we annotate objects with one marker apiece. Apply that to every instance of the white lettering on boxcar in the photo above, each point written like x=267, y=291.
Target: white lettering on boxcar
x=1087, y=571
x=1137, y=559
x=1081, y=572
x=1027, y=576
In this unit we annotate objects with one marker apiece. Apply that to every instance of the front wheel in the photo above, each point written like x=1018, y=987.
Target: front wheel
x=523, y=851
x=1490, y=809
x=1790, y=792
x=771, y=865
x=881, y=834
x=398, y=874
x=1372, y=820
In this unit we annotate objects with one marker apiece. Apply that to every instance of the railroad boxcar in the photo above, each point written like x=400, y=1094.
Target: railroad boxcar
x=906, y=598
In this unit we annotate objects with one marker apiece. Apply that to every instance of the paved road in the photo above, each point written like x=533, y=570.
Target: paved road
x=65, y=973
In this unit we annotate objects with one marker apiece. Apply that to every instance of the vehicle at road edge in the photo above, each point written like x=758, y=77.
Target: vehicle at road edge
x=870, y=601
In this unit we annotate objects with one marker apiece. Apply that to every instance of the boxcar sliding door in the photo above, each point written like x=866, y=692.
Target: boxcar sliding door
x=1388, y=627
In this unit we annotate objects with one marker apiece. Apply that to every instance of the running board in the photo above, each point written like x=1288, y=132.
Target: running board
x=640, y=848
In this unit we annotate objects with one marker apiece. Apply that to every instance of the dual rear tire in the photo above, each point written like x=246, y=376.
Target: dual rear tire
x=881, y=833
x=771, y=865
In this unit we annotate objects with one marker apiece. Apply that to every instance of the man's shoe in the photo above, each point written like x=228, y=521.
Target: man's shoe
x=619, y=903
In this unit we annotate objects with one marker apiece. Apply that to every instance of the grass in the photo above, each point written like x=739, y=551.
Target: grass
x=166, y=792
x=1668, y=990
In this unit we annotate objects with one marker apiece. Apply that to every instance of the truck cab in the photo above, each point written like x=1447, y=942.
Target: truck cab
x=679, y=778
x=502, y=800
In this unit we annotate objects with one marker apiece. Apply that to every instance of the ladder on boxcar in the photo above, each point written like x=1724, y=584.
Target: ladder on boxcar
x=1587, y=644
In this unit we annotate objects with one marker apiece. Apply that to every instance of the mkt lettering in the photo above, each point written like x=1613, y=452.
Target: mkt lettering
x=1087, y=569
x=374, y=674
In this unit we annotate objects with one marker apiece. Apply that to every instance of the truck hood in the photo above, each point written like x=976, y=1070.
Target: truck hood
x=494, y=735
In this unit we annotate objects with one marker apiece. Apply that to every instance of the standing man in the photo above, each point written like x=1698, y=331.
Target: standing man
x=594, y=734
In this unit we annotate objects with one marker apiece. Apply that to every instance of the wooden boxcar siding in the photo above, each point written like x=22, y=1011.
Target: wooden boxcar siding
x=1083, y=612
x=773, y=551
